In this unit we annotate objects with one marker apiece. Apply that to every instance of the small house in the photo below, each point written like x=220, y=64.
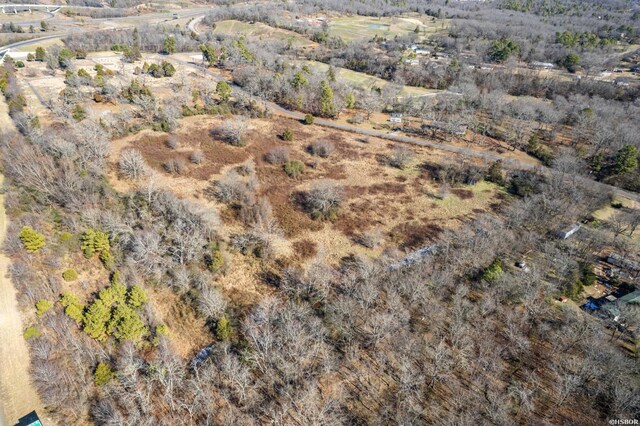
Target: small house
x=567, y=232
x=412, y=61
x=395, y=118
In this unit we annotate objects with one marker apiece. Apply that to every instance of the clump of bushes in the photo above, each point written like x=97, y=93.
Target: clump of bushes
x=232, y=131
x=278, y=155
x=196, y=156
x=73, y=308
x=132, y=164
x=172, y=142
x=287, y=135
x=321, y=148
x=31, y=332
x=42, y=306
x=493, y=272
x=401, y=157
x=308, y=119
x=294, y=169
x=70, y=275
x=323, y=200
x=176, y=166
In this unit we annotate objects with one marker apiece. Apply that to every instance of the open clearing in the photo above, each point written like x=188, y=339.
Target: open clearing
x=260, y=31
x=366, y=81
x=351, y=28
x=399, y=205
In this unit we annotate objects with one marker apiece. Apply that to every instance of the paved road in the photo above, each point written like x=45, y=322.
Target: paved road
x=17, y=393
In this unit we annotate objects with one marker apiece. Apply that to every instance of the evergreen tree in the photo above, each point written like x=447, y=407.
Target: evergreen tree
x=223, y=90
x=626, y=160
x=31, y=240
x=350, y=101
x=327, y=107
x=169, y=45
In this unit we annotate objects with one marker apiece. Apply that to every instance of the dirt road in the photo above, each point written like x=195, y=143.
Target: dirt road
x=17, y=395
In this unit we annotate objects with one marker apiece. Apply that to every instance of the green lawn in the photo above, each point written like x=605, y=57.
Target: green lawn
x=351, y=28
x=365, y=81
x=260, y=31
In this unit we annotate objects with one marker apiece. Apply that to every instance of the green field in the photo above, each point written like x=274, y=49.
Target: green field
x=260, y=31
x=365, y=81
x=351, y=28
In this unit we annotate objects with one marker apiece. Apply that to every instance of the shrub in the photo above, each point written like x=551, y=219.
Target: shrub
x=31, y=332
x=132, y=164
x=287, y=135
x=70, y=275
x=175, y=165
x=308, y=119
x=251, y=243
x=401, y=157
x=370, y=239
x=217, y=259
x=103, y=374
x=196, y=156
x=494, y=174
x=323, y=200
x=232, y=131
x=73, y=308
x=321, y=148
x=78, y=113
x=172, y=141
x=168, y=69
x=493, y=272
x=31, y=239
x=294, y=169
x=43, y=306
x=278, y=155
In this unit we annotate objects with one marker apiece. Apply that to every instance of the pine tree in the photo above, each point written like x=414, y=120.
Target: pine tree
x=103, y=374
x=31, y=240
x=350, y=101
x=327, y=107
x=96, y=319
x=136, y=297
x=626, y=160
x=224, y=329
x=223, y=90
x=169, y=45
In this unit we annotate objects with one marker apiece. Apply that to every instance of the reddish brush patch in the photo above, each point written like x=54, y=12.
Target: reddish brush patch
x=387, y=188
x=305, y=249
x=412, y=235
x=463, y=194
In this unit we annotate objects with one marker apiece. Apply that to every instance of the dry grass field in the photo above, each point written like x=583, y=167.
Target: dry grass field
x=400, y=206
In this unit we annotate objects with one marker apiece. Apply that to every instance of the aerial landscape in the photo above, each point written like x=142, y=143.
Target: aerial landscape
x=317, y=212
